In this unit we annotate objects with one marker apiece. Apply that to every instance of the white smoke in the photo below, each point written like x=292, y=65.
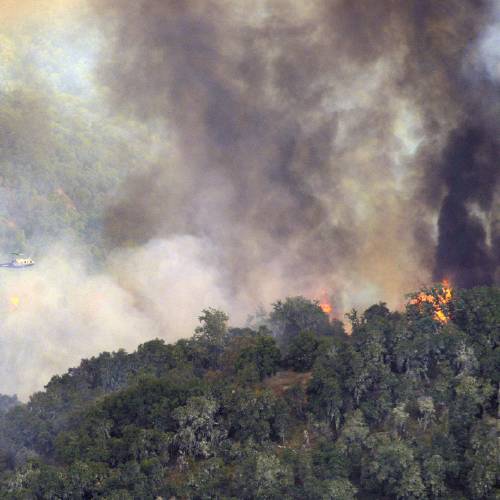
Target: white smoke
x=490, y=51
x=59, y=311
x=486, y=51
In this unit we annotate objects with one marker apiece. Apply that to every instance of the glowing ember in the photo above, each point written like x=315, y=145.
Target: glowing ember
x=441, y=297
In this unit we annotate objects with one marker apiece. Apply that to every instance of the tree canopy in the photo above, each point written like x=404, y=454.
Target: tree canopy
x=403, y=408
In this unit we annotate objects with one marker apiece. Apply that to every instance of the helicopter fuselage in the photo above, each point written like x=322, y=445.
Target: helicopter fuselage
x=19, y=263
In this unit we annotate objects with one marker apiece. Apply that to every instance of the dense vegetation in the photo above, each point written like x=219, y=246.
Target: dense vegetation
x=404, y=407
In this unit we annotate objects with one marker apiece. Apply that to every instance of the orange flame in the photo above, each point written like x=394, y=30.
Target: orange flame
x=440, y=298
x=325, y=305
x=326, y=308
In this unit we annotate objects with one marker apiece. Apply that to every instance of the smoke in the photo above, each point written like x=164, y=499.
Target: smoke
x=19, y=11
x=61, y=158
x=60, y=310
x=315, y=145
x=488, y=44
x=337, y=145
x=469, y=167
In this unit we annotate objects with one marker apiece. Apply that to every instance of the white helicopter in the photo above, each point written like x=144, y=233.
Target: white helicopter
x=19, y=262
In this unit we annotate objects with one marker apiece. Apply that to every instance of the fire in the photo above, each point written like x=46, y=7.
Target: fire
x=326, y=308
x=325, y=305
x=14, y=301
x=441, y=297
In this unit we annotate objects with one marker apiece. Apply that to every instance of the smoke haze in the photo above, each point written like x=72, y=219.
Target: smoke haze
x=62, y=310
x=322, y=137
x=294, y=147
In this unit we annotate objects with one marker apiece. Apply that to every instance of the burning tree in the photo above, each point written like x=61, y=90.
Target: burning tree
x=437, y=299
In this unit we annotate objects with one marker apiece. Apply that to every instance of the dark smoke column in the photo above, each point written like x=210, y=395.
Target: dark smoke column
x=469, y=169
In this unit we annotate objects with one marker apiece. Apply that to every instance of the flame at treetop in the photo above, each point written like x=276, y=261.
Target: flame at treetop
x=438, y=299
x=325, y=305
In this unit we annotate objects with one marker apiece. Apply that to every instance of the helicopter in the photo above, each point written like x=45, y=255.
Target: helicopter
x=19, y=262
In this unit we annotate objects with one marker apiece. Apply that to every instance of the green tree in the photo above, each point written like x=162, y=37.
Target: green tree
x=339, y=489
x=434, y=476
x=263, y=475
x=199, y=432
x=249, y=413
x=210, y=338
x=262, y=354
x=302, y=351
x=296, y=315
x=352, y=441
x=7, y=402
x=483, y=459
x=390, y=468
x=326, y=392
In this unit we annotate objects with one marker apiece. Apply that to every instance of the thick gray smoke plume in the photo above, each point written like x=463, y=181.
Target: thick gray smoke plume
x=300, y=147
x=314, y=143
x=468, y=168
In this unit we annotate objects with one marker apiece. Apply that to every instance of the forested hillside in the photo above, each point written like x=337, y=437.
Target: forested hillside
x=58, y=170
x=403, y=407
x=61, y=155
